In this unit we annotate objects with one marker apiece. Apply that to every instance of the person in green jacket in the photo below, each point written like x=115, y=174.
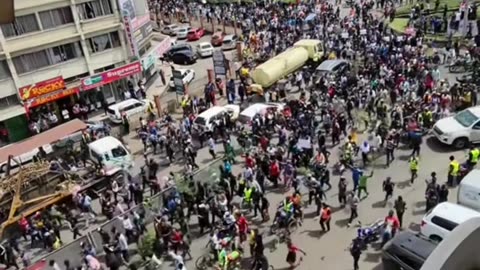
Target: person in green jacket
x=362, y=184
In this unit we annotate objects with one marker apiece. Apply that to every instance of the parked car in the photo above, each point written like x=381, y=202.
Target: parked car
x=131, y=107
x=187, y=77
x=184, y=57
x=205, y=49
x=170, y=29
x=195, y=34
x=443, y=218
x=459, y=130
x=229, y=42
x=177, y=48
x=182, y=32
x=217, y=38
x=407, y=251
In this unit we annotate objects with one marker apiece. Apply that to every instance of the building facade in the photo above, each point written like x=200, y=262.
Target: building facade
x=61, y=52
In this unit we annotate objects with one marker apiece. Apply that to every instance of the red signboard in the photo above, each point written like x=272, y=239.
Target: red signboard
x=42, y=88
x=111, y=76
x=40, y=100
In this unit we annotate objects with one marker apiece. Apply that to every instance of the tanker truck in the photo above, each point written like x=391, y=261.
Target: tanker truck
x=305, y=51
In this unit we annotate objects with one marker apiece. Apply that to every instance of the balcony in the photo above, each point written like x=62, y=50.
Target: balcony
x=67, y=69
x=100, y=24
x=107, y=58
x=39, y=39
x=26, y=4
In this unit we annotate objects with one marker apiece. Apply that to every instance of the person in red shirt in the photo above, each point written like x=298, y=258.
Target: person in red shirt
x=292, y=254
x=264, y=143
x=274, y=173
x=392, y=225
x=242, y=225
x=24, y=226
x=249, y=161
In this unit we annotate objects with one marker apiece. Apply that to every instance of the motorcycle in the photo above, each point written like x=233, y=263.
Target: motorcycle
x=370, y=234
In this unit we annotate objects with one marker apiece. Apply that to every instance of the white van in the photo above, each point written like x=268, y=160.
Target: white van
x=131, y=107
x=443, y=218
x=204, y=121
x=246, y=116
x=111, y=154
x=469, y=190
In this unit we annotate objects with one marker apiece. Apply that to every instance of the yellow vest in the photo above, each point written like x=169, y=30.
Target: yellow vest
x=414, y=164
x=456, y=168
x=248, y=194
x=475, y=155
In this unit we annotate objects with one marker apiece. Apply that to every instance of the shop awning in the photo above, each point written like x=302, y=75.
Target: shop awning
x=47, y=137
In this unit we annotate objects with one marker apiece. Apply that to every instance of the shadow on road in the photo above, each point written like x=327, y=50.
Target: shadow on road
x=436, y=146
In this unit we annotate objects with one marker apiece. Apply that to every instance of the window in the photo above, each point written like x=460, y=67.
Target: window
x=119, y=151
x=32, y=61
x=104, y=42
x=8, y=101
x=64, y=53
x=444, y=223
x=21, y=25
x=4, y=70
x=56, y=17
x=93, y=9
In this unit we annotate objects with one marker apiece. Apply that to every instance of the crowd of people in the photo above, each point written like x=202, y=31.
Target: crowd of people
x=392, y=90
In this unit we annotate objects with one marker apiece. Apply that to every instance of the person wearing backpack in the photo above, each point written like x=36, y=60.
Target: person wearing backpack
x=355, y=251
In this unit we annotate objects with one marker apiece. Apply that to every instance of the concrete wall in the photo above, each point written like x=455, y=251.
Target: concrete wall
x=459, y=250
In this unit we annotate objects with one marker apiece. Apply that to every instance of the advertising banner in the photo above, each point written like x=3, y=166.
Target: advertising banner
x=111, y=76
x=41, y=88
x=52, y=96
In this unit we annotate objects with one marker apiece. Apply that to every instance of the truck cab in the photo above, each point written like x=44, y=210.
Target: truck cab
x=314, y=48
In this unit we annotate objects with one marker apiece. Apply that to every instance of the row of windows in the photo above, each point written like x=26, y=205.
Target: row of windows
x=56, y=17
x=51, y=56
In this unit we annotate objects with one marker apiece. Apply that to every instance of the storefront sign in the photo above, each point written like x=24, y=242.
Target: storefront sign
x=41, y=88
x=52, y=96
x=142, y=33
x=178, y=82
x=127, y=9
x=149, y=60
x=139, y=21
x=111, y=76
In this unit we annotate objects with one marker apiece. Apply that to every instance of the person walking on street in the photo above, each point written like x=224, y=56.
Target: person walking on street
x=473, y=156
x=453, y=170
x=342, y=191
x=292, y=254
x=390, y=150
x=362, y=185
x=211, y=147
x=325, y=217
x=388, y=188
x=365, y=148
x=356, y=251
x=354, y=202
x=413, y=168
x=400, y=207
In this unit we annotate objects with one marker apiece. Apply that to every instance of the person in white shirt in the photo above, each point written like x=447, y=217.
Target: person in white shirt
x=128, y=227
x=211, y=147
x=179, y=263
x=365, y=148
x=122, y=243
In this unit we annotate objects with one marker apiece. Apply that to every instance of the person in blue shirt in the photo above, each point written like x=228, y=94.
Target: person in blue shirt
x=227, y=166
x=356, y=174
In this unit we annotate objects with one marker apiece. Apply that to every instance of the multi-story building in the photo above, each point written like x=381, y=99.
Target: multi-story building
x=59, y=52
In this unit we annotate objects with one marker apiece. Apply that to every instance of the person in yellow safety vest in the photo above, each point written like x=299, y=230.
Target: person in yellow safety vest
x=332, y=56
x=427, y=118
x=473, y=156
x=453, y=171
x=413, y=168
x=247, y=195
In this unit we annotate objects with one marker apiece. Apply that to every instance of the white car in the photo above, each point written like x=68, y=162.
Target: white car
x=130, y=107
x=229, y=42
x=247, y=115
x=205, y=49
x=182, y=32
x=459, y=130
x=170, y=29
x=443, y=218
x=204, y=121
x=187, y=76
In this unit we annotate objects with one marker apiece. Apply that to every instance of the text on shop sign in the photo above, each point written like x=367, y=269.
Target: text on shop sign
x=42, y=88
x=111, y=76
x=34, y=102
